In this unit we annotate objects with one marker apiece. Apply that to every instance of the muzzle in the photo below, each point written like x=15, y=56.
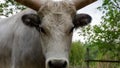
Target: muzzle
x=57, y=63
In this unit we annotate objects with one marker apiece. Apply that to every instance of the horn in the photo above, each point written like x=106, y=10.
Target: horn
x=33, y=4
x=82, y=3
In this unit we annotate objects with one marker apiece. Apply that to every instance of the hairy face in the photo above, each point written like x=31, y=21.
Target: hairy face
x=56, y=30
x=55, y=22
x=56, y=34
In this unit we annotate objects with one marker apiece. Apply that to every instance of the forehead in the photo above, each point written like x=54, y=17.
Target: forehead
x=57, y=13
x=57, y=20
x=57, y=7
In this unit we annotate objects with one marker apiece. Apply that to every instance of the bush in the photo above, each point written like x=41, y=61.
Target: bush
x=77, y=54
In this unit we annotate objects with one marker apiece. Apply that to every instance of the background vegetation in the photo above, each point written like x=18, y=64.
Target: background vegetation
x=106, y=36
x=77, y=54
x=9, y=7
x=103, y=40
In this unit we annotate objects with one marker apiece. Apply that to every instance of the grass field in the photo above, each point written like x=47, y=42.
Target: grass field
x=78, y=55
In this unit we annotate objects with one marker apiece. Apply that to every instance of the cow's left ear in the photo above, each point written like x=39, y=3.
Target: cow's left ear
x=81, y=20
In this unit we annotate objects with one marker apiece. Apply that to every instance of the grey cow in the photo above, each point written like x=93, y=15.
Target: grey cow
x=40, y=36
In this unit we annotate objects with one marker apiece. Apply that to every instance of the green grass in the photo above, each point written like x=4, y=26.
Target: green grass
x=77, y=54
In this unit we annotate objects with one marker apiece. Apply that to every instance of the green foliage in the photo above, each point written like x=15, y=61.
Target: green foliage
x=10, y=7
x=77, y=54
x=106, y=36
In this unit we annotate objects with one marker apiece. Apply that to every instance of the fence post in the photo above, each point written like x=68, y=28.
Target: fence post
x=87, y=58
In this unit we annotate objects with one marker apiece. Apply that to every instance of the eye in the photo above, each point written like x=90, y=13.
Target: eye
x=42, y=30
x=71, y=30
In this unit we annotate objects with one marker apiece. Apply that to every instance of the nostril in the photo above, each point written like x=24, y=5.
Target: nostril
x=50, y=64
x=57, y=64
x=65, y=64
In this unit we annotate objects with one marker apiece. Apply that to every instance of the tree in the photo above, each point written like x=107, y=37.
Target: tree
x=9, y=7
x=106, y=36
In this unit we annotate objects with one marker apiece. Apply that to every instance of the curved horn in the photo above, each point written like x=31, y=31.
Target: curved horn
x=34, y=4
x=82, y=3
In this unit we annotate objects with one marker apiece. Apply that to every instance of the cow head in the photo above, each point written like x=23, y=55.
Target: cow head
x=55, y=22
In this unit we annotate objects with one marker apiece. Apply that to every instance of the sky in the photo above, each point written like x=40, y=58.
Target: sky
x=94, y=13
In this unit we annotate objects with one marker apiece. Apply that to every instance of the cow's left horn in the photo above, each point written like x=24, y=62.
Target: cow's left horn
x=34, y=4
x=82, y=3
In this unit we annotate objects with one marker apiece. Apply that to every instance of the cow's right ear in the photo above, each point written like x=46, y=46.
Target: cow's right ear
x=31, y=20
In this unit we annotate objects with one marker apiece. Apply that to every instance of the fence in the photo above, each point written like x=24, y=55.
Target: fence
x=88, y=61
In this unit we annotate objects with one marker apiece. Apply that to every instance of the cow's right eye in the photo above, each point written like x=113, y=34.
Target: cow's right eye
x=42, y=30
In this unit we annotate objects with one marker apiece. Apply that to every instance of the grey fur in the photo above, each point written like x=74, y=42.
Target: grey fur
x=19, y=44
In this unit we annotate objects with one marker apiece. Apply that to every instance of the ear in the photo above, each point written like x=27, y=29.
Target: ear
x=81, y=20
x=31, y=20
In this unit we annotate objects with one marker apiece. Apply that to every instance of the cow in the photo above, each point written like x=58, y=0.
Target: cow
x=40, y=36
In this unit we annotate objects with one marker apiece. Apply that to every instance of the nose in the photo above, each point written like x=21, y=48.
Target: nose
x=57, y=64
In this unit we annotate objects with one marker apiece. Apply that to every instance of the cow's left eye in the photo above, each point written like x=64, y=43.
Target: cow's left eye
x=71, y=30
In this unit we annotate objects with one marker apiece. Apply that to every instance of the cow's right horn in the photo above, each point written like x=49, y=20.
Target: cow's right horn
x=34, y=4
